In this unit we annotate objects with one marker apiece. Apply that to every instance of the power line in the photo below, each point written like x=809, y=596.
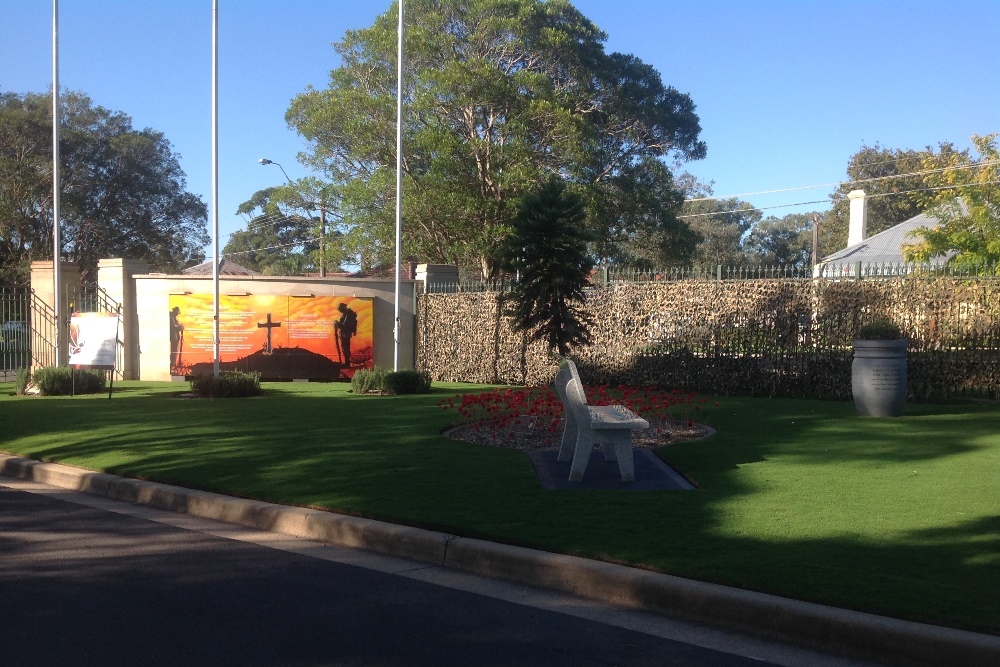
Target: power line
x=751, y=208
x=272, y=247
x=988, y=163
x=823, y=201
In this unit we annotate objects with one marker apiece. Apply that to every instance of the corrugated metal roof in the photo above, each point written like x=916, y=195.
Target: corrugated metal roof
x=886, y=246
x=226, y=268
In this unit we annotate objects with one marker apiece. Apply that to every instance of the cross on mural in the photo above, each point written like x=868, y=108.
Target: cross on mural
x=268, y=325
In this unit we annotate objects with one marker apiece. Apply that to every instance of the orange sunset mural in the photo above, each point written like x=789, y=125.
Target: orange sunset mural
x=281, y=337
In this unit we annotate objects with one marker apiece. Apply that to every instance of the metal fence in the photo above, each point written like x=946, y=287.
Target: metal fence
x=28, y=326
x=743, y=332
x=27, y=331
x=609, y=275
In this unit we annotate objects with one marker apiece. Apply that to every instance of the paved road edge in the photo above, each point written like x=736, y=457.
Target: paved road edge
x=827, y=628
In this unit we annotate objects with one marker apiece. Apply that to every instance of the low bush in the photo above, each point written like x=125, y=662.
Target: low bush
x=408, y=382
x=880, y=330
x=229, y=384
x=22, y=378
x=63, y=381
x=369, y=380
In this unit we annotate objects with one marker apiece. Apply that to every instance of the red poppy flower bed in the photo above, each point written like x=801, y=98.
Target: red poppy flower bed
x=532, y=417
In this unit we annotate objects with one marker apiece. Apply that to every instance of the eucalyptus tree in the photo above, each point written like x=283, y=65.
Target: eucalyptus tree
x=499, y=96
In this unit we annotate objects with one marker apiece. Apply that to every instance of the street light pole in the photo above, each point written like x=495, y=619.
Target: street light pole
x=322, y=218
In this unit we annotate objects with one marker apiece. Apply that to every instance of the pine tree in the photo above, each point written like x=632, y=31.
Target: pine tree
x=547, y=252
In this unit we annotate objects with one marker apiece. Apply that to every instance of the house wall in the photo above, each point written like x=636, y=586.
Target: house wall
x=153, y=311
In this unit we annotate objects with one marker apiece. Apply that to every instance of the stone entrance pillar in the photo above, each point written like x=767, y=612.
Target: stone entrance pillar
x=114, y=276
x=43, y=325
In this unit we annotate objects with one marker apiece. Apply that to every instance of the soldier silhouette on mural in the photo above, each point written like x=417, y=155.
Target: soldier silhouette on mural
x=344, y=329
x=176, y=340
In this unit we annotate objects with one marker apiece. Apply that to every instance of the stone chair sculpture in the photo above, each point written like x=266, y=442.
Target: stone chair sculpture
x=609, y=426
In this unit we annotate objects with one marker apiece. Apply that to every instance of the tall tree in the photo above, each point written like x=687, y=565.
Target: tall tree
x=718, y=225
x=966, y=199
x=277, y=241
x=785, y=241
x=547, y=251
x=123, y=190
x=499, y=95
x=893, y=179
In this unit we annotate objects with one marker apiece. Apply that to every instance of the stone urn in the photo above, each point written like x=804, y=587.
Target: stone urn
x=878, y=373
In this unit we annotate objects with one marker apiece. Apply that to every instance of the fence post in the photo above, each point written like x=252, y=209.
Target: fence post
x=718, y=272
x=857, y=270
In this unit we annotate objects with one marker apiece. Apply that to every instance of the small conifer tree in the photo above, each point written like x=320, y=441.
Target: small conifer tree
x=547, y=253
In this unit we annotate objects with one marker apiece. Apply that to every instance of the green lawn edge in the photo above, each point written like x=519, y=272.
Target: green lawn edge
x=797, y=498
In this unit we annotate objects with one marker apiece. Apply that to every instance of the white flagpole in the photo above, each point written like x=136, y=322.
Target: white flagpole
x=56, y=240
x=399, y=179
x=215, y=181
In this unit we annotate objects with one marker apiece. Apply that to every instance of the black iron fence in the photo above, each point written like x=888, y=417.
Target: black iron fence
x=28, y=325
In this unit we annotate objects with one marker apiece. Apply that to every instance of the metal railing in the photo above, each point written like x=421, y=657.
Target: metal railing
x=609, y=275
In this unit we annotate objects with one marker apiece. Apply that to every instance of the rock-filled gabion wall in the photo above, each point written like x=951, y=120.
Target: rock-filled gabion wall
x=758, y=337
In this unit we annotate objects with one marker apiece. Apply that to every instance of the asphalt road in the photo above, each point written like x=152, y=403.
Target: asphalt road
x=89, y=581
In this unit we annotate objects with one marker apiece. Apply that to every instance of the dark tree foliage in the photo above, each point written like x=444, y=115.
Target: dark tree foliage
x=278, y=241
x=785, y=241
x=547, y=251
x=123, y=191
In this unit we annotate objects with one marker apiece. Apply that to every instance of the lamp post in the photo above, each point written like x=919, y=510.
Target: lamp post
x=322, y=217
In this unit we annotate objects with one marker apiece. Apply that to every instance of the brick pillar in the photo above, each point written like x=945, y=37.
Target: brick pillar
x=115, y=277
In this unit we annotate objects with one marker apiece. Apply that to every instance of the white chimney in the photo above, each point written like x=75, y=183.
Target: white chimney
x=858, y=229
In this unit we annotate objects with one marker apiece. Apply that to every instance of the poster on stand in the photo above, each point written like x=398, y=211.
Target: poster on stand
x=93, y=340
x=281, y=337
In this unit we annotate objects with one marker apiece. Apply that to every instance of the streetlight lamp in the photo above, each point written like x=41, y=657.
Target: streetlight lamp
x=264, y=161
x=322, y=217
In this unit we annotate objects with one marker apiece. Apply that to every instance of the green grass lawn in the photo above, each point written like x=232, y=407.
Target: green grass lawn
x=797, y=498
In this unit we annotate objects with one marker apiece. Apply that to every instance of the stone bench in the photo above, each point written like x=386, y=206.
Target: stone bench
x=609, y=426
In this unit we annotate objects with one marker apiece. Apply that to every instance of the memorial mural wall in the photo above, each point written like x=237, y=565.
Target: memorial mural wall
x=279, y=336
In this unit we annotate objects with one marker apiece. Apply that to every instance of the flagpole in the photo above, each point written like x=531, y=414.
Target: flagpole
x=56, y=239
x=399, y=179
x=215, y=183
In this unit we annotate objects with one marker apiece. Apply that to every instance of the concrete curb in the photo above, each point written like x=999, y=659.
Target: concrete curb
x=827, y=628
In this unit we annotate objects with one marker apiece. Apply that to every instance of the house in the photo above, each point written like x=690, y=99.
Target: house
x=226, y=268
x=879, y=254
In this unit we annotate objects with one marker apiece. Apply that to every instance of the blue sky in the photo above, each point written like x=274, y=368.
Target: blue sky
x=786, y=90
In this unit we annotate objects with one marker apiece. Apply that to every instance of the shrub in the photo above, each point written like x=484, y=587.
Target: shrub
x=229, y=384
x=369, y=380
x=63, y=381
x=21, y=380
x=408, y=382
x=880, y=330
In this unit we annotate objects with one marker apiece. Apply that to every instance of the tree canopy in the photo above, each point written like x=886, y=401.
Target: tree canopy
x=279, y=240
x=892, y=178
x=966, y=201
x=784, y=241
x=123, y=193
x=499, y=96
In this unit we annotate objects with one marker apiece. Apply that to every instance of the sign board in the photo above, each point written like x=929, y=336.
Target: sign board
x=93, y=340
x=281, y=337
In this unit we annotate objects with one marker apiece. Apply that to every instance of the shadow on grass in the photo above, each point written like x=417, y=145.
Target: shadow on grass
x=798, y=498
